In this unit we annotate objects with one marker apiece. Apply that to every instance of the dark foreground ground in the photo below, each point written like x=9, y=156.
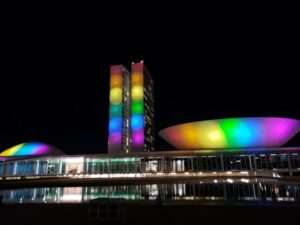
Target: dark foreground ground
x=142, y=214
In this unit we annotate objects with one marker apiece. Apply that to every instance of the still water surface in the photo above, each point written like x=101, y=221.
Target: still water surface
x=219, y=191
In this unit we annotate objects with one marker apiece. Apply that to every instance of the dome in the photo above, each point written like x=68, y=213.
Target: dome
x=232, y=133
x=31, y=148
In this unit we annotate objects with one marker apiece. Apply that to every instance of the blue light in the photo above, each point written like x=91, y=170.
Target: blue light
x=244, y=135
x=27, y=149
x=115, y=125
x=137, y=122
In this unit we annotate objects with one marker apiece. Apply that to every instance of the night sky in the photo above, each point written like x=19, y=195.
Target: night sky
x=207, y=61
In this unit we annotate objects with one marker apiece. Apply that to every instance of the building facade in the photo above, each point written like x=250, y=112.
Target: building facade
x=142, y=109
x=220, y=147
x=131, y=112
x=253, y=162
x=119, y=110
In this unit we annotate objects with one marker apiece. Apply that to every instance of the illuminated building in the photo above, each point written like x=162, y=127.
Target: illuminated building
x=250, y=146
x=249, y=132
x=131, y=112
x=30, y=148
x=119, y=110
x=142, y=108
x=226, y=147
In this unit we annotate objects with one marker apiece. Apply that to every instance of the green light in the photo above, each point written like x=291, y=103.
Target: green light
x=122, y=160
x=98, y=160
x=115, y=110
x=137, y=108
x=229, y=127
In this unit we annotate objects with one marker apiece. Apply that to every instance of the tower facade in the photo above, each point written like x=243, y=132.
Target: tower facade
x=119, y=110
x=142, y=108
x=131, y=111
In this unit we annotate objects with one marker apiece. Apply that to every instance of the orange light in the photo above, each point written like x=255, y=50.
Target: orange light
x=137, y=78
x=115, y=81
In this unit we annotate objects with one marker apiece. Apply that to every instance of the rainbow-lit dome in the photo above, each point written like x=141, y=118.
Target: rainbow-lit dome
x=31, y=148
x=232, y=133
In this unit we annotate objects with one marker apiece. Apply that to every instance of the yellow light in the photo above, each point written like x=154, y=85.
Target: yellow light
x=137, y=78
x=214, y=136
x=115, y=81
x=115, y=96
x=137, y=93
x=11, y=151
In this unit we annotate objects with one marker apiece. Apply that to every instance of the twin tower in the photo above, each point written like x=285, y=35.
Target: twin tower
x=131, y=110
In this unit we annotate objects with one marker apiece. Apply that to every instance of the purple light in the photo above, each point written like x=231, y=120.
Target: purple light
x=115, y=138
x=138, y=137
x=279, y=130
x=41, y=149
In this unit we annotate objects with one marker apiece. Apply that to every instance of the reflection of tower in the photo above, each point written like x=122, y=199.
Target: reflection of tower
x=131, y=111
x=119, y=110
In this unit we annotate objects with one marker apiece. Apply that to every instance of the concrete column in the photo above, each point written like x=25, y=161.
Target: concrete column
x=37, y=164
x=46, y=172
x=109, y=166
x=192, y=164
x=15, y=168
x=222, y=162
x=249, y=157
x=289, y=164
x=254, y=160
x=60, y=167
x=162, y=164
x=83, y=166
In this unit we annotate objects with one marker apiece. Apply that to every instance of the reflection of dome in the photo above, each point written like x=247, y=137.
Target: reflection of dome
x=232, y=133
x=31, y=148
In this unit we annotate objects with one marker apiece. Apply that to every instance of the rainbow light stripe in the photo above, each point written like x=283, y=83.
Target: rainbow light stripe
x=137, y=105
x=232, y=133
x=115, y=108
x=30, y=148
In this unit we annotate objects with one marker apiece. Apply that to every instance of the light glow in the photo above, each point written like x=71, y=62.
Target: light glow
x=115, y=96
x=232, y=133
x=137, y=104
x=115, y=109
x=137, y=122
x=30, y=148
x=137, y=93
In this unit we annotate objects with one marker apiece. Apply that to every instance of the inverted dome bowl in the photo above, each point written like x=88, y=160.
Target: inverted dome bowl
x=232, y=133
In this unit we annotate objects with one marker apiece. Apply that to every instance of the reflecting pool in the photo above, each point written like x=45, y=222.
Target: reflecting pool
x=219, y=191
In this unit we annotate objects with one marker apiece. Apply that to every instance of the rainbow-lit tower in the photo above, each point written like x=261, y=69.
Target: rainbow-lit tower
x=119, y=110
x=142, y=108
x=131, y=112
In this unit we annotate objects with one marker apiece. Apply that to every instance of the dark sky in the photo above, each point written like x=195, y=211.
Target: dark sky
x=207, y=61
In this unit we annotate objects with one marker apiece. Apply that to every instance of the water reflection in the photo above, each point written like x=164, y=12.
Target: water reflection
x=218, y=191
